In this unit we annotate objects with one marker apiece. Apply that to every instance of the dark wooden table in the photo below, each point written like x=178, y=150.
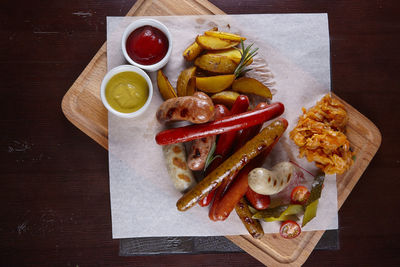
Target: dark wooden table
x=54, y=185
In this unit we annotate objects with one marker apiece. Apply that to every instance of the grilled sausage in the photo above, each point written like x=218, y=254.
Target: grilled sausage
x=252, y=225
x=180, y=174
x=198, y=108
x=269, y=182
x=233, y=164
x=201, y=147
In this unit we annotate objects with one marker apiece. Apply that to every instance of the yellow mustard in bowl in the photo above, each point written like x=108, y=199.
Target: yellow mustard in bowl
x=127, y=92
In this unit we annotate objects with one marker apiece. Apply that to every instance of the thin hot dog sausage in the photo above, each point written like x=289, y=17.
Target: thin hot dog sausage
x=244, y=136
x=201, y=147
x=252, y=225
x=198, y=108
x=241, y=138
x=230, y=123
x=224, y=144
x=239, y=187
x=233, y=164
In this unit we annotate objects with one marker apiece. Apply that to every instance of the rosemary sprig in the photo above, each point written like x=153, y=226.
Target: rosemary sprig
x=247, y=54
x=211, y=157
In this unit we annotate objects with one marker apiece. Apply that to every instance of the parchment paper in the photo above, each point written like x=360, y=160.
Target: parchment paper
x=293, y=59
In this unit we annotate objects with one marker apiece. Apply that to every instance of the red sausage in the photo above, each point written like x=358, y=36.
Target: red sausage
x=230, y=123
x=224, y=144
x=239, y=187
x=244, y=136
x=241, y=139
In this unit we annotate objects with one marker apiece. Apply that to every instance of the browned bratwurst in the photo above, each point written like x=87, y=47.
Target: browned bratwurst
x=199, y=152
x=198, y=108
x=201, y=147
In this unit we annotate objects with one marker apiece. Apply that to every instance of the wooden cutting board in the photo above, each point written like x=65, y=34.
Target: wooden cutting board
x=83, y=107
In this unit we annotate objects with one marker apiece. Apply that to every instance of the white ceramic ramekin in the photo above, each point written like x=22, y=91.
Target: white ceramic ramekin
x=119, y=69
x=140, y=23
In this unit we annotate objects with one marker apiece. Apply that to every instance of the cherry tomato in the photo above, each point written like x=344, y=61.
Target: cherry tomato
x=289, y=229
x=299, y=195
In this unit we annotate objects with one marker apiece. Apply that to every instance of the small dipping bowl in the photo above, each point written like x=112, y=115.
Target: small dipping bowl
x=141, y=23
x=124, y=91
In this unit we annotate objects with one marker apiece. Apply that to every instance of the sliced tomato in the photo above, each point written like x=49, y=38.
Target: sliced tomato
x=289, y=229
x=299, y=195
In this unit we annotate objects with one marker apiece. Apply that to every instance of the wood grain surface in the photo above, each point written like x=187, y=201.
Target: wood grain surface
x=54, y=179
x=82, y=106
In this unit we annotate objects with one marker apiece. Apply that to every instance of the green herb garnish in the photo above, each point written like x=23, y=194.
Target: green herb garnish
x=247, y=54
x=211, y=157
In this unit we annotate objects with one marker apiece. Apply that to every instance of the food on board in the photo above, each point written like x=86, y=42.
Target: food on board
x=228, y=147
x=319, y=134
x=179, y=173
x=269, y=182
x=127, y=92
x=198, y=108
x=147, y=45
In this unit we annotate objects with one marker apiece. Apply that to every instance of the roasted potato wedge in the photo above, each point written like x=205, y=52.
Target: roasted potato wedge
x=183, y=80
x=232, y=53
x=192, y=51
x=248, y=85
x=214, y=84
x=225, y=35
x=226, y=98
x=164, y=86
x=214, y=43
x=195, y=49
x=216, y=64
x=191, y=86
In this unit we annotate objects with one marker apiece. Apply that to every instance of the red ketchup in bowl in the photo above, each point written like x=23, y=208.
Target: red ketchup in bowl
x=147, y=45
